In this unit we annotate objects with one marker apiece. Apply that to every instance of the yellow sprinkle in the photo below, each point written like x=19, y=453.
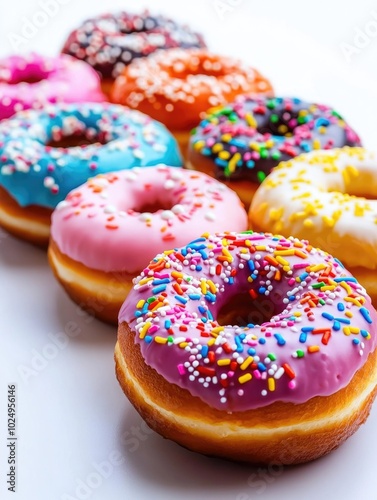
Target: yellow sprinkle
x=327, y=287
x=223, y=362
x=297, y=314
x=282, y=128
x=144, y=329
x=160, y=340
x=347, y=330
x=211, y=342
x=346, y=176
x=218, y=329
x=269, y=144
x=245, y=378
x=233, y=162
x=226, y=137
x=246, y=363
x=182, y=345
x=276, y=213
x=260, y=248
x=329, y=221
x=144, y=280
x=354, y=301
x=308, y=223
x=347, y=288
x=359, y=210
x=251, y=121
x=216, y=148
x=140, y=304
x=282, y=261
x=254, y=146
x=348, y=314
x=199, y=145
x=227, y=254
x=212, y=286
x=316, y=144
x=203, y=286
x=285, y=252
x=271, y=384
x=224, y=155
x=352, y=170
x=317, y=268
x=354, y=330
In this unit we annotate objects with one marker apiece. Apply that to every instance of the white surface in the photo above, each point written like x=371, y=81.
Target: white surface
x=71, y=413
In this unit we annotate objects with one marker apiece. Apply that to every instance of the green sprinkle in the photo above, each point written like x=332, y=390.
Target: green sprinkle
x=271, y=356
x=170, y=339
x=300, y=353
x=271, y=104
x=276, y=155
x=274, y=118
x=151, y=299
x=318, y=285
x=263, y=153
x=261, y=176
x=322, y=302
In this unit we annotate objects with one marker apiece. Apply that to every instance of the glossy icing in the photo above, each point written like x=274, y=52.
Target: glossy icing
x=33, y=81
x=249, y=137
x=319, y=330
x=319, y=196
x=179, y=85
x=34, y=173
x=103, y=224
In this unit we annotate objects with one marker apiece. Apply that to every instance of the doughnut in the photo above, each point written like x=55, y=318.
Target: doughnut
x=255, y=348
x=110, y=42
x=241, y=142
x=177, y=86
x=33, y=81
x=107, y=230
x=45, y=154
x=327, y=197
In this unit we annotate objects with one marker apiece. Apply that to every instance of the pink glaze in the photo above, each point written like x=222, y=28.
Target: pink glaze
x=308, y=331
x=103, y=224
x=59, y=79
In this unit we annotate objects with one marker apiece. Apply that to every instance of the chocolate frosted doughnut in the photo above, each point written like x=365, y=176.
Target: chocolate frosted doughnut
x=111, y=41
x=244, y=140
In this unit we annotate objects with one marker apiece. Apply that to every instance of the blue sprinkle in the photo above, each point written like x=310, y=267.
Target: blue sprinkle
x=167, y=324
x=346, y=321
x=203, y=255
x=204, y=320
x=336, y=325
x=262, y=341
x=356, y=341
x=181, y=299
x=204, y=351
x=365, y=314
x=321, y=122
x=262, y=367
x=250, y=164
x=209, y=315
x=198, y=268
x=202, y=309
x=262, y=290
x=237, y=143
x=206, y=151
x=194, y=296
x=292, y=298
x=303, y=276
x=145, y=308
x=198, y=240
x=220, y=162
x=250, y=325
x=305, y=146
x=279, y=338
x=231, y=280
x=327, y=316
x=364, y=333
x=242, y=336
x=350, y=278
x=340, y=306
x=138, y=314
x=303, y=337
x=196, y=246
x=338, y=261
x=210, y=297
x=251, y=351
x=148, y=339
x=238, y=343
x=254, y=276
x=251, y=265
x=159, y=289
x=160, y=282
x=307, y=329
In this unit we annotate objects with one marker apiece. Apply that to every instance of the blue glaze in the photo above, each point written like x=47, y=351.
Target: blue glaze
x=34, y=174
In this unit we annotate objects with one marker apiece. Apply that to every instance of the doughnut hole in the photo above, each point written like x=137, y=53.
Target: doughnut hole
x=199, y=64
x=153, y=206
x=29, y=75
x=242, y=309
x=76, y=140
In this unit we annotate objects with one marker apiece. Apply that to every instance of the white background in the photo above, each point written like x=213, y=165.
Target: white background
x=72, y=416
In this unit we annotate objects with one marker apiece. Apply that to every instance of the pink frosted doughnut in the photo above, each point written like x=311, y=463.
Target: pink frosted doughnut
x=32, y=81
x=116, y=223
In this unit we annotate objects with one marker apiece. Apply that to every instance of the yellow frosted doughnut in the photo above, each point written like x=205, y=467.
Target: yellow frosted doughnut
x=330, y=199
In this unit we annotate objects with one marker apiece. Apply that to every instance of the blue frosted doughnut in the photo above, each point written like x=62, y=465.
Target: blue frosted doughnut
x=34, y=173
